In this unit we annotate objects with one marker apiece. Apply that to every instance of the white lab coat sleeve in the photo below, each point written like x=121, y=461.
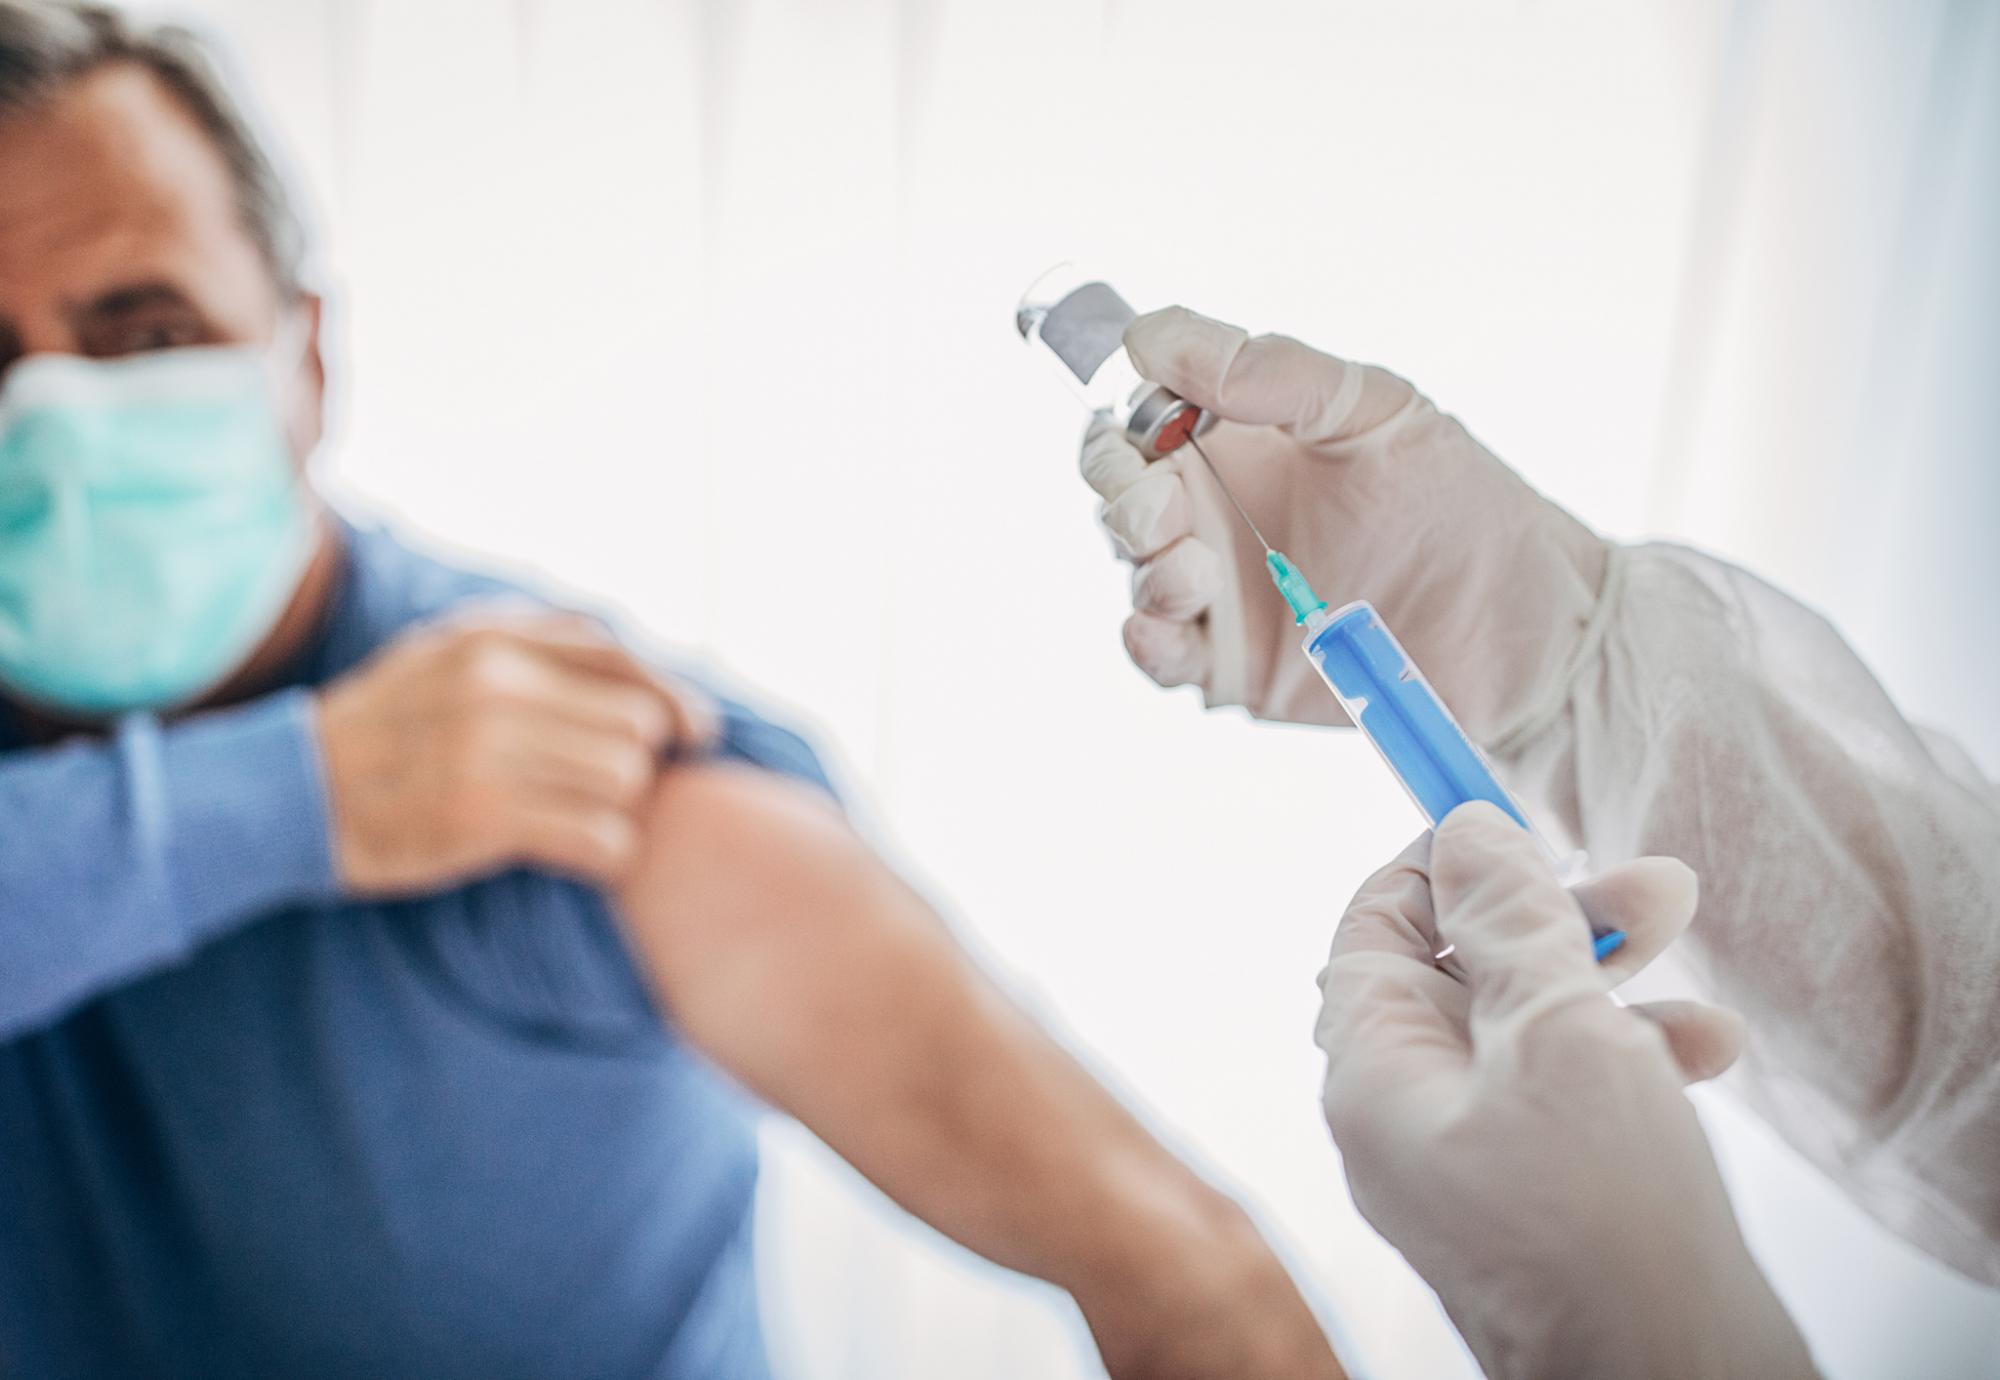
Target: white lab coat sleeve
x=1850, y=873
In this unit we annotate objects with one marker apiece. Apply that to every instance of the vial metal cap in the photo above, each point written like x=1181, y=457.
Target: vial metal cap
x=1161, y=422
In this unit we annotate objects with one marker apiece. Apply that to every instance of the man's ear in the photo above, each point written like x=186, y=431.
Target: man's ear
x=305, y=423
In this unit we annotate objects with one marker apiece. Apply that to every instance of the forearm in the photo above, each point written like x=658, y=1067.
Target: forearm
x=972, y=1118
x=1850, y=875
x=119, y=857
x=831, y=989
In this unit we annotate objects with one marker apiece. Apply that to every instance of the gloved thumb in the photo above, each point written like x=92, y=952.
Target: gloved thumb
x=1520, y=937
x=1265, y=380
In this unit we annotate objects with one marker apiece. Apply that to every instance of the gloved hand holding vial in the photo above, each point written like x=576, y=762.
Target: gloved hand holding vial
x=1082, y=324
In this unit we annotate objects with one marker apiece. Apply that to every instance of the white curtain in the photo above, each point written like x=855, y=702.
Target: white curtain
x=703, y=309
x=1835, y=424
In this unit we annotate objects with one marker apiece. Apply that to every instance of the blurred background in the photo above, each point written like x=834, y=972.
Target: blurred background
x=702, y=310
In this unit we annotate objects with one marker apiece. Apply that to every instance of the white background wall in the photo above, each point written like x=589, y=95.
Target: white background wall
x=703, y=308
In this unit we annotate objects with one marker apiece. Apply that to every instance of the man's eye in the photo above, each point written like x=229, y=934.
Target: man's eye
x=141, y=334
x=158, y=335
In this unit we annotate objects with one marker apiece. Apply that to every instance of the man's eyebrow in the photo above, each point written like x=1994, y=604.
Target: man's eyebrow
x=131, y=297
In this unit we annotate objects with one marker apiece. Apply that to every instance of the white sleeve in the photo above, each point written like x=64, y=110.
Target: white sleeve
x=1850, y=871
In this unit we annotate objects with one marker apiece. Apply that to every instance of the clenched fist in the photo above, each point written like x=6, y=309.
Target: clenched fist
x=475, y=744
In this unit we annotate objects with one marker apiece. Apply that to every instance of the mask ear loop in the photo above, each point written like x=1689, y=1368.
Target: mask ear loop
x=287, y=350
x=283, y=358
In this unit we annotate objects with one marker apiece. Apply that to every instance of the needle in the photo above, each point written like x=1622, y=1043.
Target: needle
x=1292, y=585
x=1230, y=496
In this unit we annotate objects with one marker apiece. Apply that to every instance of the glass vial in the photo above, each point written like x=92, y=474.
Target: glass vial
x=1078, y=322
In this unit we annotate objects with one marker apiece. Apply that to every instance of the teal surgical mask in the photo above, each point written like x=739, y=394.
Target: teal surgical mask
x=152, y=528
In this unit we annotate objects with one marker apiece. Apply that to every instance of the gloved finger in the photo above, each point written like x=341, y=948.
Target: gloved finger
x=1521, y=939
x=1110, y=463
x=1651, y=899
x=1704, y=1040
x=1390, y=1022
x=1172, y=653
x=1152, y=514
x=1180, y=583
x=1394, y=1032
x=1391, y=911
x=1264, y=380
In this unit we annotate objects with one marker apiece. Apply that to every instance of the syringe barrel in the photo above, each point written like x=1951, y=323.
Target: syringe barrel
x=1402, y=717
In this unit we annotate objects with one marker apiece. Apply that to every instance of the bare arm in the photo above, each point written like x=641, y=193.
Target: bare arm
x=785, y=949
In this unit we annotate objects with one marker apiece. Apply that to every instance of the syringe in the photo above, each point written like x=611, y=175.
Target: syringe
x=1389, y=700
x=1354, y=652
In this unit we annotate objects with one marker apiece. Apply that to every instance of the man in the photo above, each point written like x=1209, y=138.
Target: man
x=361, y=969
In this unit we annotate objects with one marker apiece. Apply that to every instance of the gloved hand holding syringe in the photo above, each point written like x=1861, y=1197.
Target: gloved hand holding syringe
x=1081, y=323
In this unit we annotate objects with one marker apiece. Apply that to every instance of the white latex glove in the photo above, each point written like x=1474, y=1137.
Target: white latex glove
x=1523, y=1141
x=1647, y=699
x=1372, y=492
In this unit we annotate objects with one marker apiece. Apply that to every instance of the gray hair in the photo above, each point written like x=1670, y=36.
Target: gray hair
x=47, y=44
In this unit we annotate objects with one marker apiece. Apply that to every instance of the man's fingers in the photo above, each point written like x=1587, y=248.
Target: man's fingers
x=692, y=720
x=697, y=720
x=1171, y=652
x=643, y=713
x=576, y=640
x=665, y=714
x=581, y=642
x=1180, y=583
x=594, y=686
x=576, y=837
x=1520, y=937
x=1704, y=1040
x=1263, y=380
x=1651, y=899
x=554, y=754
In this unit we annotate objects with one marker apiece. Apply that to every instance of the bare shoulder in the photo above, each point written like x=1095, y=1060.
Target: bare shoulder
x=731, y=806
x=750, y=893
x=723, y=838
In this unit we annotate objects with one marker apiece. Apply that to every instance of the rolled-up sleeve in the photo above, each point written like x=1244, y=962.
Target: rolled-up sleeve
x=119, y=858
x=544, y=956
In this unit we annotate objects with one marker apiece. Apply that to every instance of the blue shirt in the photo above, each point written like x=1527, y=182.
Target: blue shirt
x=249, y=1128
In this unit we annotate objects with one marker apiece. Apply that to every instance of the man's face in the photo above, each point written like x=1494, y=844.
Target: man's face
x=119, y=234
